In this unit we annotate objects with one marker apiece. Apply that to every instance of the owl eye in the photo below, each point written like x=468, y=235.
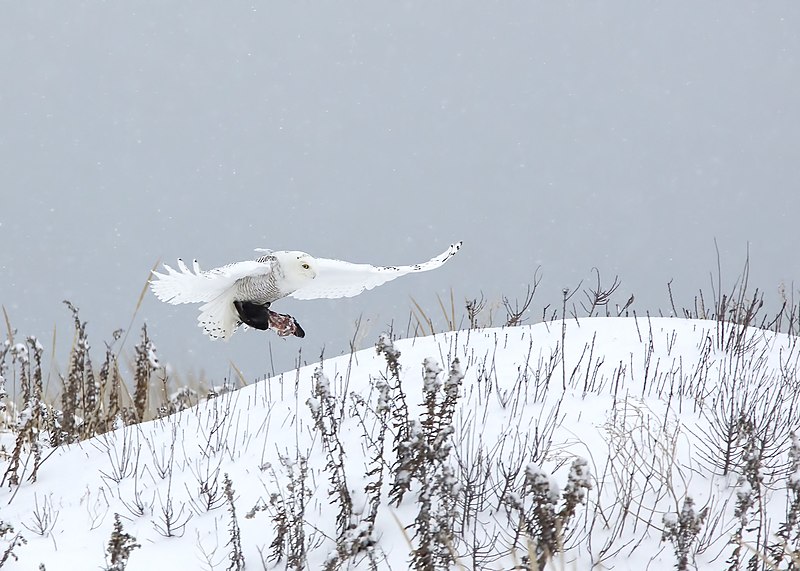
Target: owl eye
x=305, y=266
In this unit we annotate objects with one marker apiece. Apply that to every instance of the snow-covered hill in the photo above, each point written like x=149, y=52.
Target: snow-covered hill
x=482, y=447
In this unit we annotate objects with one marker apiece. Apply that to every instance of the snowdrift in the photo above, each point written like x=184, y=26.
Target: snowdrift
x=625, y=443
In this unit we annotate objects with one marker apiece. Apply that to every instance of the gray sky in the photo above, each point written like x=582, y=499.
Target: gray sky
x=625, y=136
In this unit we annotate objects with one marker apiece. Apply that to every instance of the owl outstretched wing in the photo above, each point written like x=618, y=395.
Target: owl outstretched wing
x=194, y=286
x=336, y=278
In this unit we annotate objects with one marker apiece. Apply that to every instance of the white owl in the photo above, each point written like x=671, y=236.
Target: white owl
x=243, y=291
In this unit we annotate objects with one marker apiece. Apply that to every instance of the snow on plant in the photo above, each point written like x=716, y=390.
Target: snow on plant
x=145, y=365
x=540, y=524
x=749, y=502
x=5, y=420
x=9, y=541
x=120, y=547
x=79, y=398
x=787, y=547
x=236, y=556
x=682, y=531
x=287, y=510
x=30, y=419
x=323, y=408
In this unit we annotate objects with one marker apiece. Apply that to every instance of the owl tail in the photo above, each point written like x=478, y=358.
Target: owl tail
x=218, y=317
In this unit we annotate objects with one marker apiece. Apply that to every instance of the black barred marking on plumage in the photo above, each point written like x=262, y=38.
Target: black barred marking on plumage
x=259, y=289
x=262, y=288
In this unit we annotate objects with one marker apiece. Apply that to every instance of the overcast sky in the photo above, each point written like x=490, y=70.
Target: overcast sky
x=625, y=135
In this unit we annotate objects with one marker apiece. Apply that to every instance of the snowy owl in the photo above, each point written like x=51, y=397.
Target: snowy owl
x=242, y=292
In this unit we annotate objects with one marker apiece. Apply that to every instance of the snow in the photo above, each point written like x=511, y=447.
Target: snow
x=744, y=491
x=152, y=358
x=431, y=382
x=618, y=410
x=20, y=352
x=540, y=479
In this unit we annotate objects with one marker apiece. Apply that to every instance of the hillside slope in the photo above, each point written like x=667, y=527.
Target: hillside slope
x=586, y=434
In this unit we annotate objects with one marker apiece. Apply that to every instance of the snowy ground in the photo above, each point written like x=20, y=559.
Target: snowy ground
x=660, y=409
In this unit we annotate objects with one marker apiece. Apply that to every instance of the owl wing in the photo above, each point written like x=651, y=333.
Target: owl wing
x=336, y=278
x=193, y=286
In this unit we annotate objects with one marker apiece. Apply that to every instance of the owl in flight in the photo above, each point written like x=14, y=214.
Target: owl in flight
x=242, y=292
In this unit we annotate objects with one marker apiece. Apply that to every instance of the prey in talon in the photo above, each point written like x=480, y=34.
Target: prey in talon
x=259, y=316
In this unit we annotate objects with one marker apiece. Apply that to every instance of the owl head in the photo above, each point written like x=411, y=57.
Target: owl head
x=298, y=268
